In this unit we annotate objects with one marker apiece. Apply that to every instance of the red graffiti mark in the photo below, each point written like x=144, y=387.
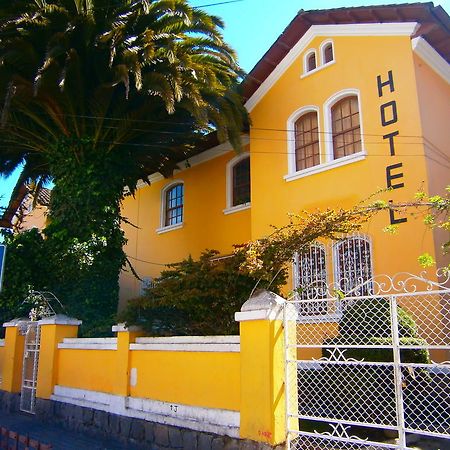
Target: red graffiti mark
x=266, y=434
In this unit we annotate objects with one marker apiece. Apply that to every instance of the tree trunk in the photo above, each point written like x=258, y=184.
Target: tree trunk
x=84, y=233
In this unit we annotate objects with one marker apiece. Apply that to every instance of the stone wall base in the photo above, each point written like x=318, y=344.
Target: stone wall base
x=147, y=435
x=9, y=402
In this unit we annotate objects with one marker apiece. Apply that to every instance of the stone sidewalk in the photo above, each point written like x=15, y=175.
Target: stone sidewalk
x=60, y=438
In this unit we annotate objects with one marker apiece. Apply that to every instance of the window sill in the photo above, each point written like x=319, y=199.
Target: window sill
x=326, y=166
x=167, y=228
x=233, y=209
x=317, y=69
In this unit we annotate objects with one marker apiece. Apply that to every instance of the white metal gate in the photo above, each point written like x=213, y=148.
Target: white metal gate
x=30, y=367
x=370, y=368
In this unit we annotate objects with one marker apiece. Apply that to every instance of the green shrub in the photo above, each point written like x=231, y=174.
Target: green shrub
x=345, y=387
x=196, y=297
x=371, y=317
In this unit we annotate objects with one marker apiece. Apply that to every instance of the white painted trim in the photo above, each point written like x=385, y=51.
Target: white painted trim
x=197, y=348
x=88, y=344
x=259, y=314
x=322, y=52
x=211, y=420
x=328, y=131
x=229, y=182
x=207, y=155
x=60, y=319
x=90, y=340
x=317, y=69
x=359, y=29
x=237, y=208
x=15, y=323
x=219, y=344
x=189, y=340
x=163, y=228
x=63, y=346
x=177, y=226
x=2, y=342
x=121, y=327
x=423, y=49
x=305, y=61
x=349, y=159
x=290, y=126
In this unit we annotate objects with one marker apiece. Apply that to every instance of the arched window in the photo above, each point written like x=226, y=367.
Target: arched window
x=353, y=265
x=173, y=205
x=327, y=53
x=346, y=127
x=310, y=279
x=311, y=62
x=238, y=195
x=307, y=151
x=241, y=182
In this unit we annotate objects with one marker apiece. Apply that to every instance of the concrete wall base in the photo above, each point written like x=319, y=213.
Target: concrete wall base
x=148, y=435
x=9, y=402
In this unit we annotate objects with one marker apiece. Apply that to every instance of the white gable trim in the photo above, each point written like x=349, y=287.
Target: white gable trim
x=423, y=49
x=207, y=155
x=359, y=29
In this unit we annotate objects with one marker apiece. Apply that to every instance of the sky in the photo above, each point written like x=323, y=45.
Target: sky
x=251, y=26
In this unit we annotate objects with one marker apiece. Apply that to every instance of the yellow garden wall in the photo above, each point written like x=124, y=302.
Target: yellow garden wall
x=206, y=379
x=87, y=369
x=2, y=353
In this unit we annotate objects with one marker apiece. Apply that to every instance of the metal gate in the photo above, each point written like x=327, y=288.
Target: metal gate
x=369, y=368
x=30, y=367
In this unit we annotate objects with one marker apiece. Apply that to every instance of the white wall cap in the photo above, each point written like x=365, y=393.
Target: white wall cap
x=121, y=327
x=59, y=319
x=262, y=299
x=189, y=340
x=262, y=305
x=15, y=322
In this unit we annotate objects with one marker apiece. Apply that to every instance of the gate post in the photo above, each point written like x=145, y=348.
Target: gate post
x=13, y=355
x=53, y=330
x=263, y=369
x=125, y=337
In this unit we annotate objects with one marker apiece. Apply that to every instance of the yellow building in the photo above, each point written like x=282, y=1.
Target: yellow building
x=344, y=103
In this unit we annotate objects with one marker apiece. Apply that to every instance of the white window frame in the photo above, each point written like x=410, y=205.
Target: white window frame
x=290, y=126
x=328, y=125
x=163, y=227
x=229, y=185
x=335, y=248
x=322, y=52
x=305, y=61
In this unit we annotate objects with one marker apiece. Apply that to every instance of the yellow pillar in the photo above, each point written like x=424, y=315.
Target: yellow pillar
x=53, y=331
x=13, y=355
x=263, y=397
x=125, y=337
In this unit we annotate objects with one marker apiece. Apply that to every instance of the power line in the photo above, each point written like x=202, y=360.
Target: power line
x=119, y=7
x=148, y=262
x=160, y=122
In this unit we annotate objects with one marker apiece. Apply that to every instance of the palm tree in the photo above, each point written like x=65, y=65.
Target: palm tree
x=95, y=95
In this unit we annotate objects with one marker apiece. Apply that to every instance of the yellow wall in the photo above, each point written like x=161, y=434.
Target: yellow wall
x=205, y=226
x=359, y=60
x=86, y=369
x=421, y=98
x=2, y=352
x=434, y=101
x=204, y=379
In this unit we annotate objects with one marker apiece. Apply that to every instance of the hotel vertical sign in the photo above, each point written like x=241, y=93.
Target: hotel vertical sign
x=389, y=119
